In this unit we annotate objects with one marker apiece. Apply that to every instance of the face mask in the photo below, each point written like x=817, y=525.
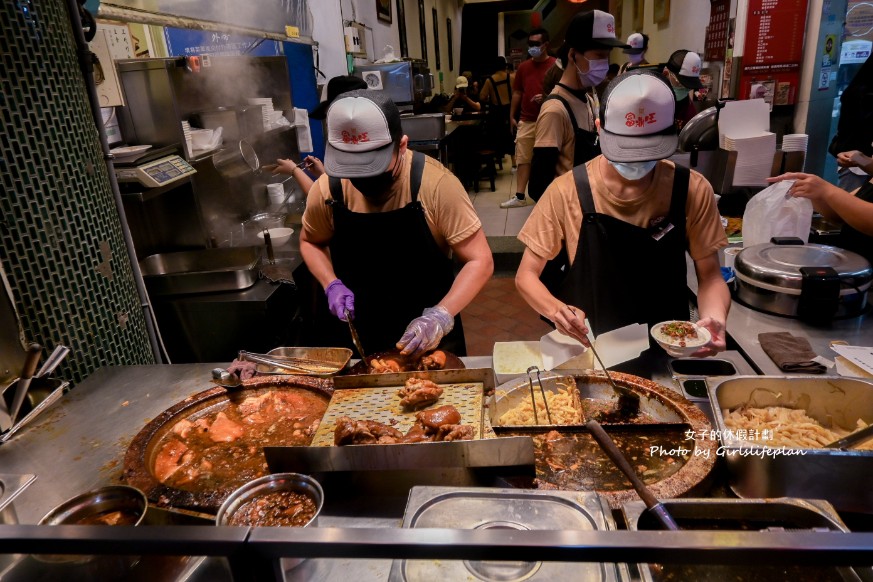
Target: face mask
x=535, y=51
x=597, y=70
x=375, y=186
x=680, y=93
x=633, y=170
x=635, y=59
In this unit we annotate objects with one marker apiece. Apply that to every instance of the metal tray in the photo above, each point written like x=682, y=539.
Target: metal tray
x=203, y=271
x=337, y=358
x=487, y=508
x=742, y=515
x=816, y=473
x=373, y=397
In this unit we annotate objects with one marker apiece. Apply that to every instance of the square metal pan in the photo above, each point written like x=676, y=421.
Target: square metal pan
x=836, y=476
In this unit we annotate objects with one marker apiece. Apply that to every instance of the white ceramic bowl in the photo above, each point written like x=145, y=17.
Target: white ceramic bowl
x=278, y=236
x=672, y=346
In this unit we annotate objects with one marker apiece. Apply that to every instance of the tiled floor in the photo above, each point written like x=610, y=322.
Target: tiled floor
x=498, y=313
x=497, y=221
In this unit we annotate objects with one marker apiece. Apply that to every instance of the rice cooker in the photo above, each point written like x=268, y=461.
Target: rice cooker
x=808, y=281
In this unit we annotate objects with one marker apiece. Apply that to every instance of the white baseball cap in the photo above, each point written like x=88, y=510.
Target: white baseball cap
x=686, y=66
x=461, y=82
x=637, y=118
x=363, y=127
x=637, y=43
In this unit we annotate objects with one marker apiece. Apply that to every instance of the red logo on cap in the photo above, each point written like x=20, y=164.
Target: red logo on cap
x=610, y=27
x=355, y=138
x=695, y=69
x=641, y=120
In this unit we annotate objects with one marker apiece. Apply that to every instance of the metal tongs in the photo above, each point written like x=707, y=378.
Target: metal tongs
x=300, y=365
x=533, y=399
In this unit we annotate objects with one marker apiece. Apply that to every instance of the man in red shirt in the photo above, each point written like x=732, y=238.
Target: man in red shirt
x=527, y=94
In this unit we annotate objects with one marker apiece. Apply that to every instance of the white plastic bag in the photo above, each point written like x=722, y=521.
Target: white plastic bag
x=772, y=212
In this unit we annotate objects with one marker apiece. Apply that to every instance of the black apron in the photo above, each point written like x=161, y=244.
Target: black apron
x=393, y=265
x=497, y=130
x=586, y=144
x=854, y=240
x=625, y=274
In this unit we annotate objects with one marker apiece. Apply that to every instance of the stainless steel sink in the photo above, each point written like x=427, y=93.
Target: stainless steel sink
x=201, y=271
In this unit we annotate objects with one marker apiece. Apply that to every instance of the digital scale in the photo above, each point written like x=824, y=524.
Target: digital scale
x=153, y=169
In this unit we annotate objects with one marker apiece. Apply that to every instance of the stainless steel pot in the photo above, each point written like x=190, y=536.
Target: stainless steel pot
x=777, y=279
x=237, y=160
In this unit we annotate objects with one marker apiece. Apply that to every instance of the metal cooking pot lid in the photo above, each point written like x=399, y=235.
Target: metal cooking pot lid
x=779, y=265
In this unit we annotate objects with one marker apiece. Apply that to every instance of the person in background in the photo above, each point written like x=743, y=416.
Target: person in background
x=565, y=132
x=311, y=167
x=496, y=94
x=378, y=233
x=626, y=220
x=683, y=72
x=853, y=210
x=472, y=86
x=638, y=44
x=527, y=96
x=855, y=127
x=461, y=99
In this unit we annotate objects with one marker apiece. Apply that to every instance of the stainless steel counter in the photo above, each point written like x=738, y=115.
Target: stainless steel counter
x=744, y=324
x=80, y=443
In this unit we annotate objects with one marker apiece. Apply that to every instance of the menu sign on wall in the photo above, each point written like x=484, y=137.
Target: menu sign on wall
x=774, y=46
x=717, y=31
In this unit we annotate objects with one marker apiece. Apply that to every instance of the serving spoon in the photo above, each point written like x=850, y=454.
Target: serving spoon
x=225, y=378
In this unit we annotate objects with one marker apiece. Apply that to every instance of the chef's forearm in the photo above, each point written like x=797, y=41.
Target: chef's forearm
x=713, y=296
x=527, y=281
x=475, y=254
x=317, y=259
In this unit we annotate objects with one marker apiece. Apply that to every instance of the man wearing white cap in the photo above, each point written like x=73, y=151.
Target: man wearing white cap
x=460, y=98
x=378, y=232
x=626, y=220
x=565, y=132
x=683, y=72
x=638, y=44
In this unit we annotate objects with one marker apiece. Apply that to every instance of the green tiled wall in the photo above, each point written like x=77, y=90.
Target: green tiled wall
x=62, y=247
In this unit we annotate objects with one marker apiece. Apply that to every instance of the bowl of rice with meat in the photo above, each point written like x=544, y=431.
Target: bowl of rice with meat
x=680, y=338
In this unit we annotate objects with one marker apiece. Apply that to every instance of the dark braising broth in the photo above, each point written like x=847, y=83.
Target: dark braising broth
x=575, y=462
x=220, y=448
x=278, y=508
x=111, y=517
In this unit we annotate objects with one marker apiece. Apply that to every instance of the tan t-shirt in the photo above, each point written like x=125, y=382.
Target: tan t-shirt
x=447, y=207
x=557, y=217
x=555, y=130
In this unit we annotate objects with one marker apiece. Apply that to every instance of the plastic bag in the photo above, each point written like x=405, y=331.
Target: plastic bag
x=772, y=212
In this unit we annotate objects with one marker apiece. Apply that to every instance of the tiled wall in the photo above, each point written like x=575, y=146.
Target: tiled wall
x=62, y=247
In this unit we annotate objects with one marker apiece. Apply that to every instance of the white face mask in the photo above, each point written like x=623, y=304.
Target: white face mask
x=535, y=51
x=635, y=59
x=633, y=170
x=597, y=70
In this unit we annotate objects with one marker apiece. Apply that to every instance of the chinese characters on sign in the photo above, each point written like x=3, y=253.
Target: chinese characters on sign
x=717, y=31
x=773, y=48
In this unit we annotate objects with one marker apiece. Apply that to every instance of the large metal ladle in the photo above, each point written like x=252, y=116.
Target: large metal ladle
x=608, y=445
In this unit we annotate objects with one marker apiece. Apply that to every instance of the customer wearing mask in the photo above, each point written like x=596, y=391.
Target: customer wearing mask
x=565, y=131
x=626, y=220
x=683, y=72
x=378, y=232
x=527, y=96
x=637, y=45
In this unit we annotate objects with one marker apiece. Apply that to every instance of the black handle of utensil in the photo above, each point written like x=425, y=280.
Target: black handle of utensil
x=34, y=351
x=269, y=244
x=848, y=441
x=608, y=445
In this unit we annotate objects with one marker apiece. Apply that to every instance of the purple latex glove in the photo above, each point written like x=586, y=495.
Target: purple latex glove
x=340, y=300
x=242, y=368
x=424, y=333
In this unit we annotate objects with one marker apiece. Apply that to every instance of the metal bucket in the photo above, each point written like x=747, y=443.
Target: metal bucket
x=236, y=161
